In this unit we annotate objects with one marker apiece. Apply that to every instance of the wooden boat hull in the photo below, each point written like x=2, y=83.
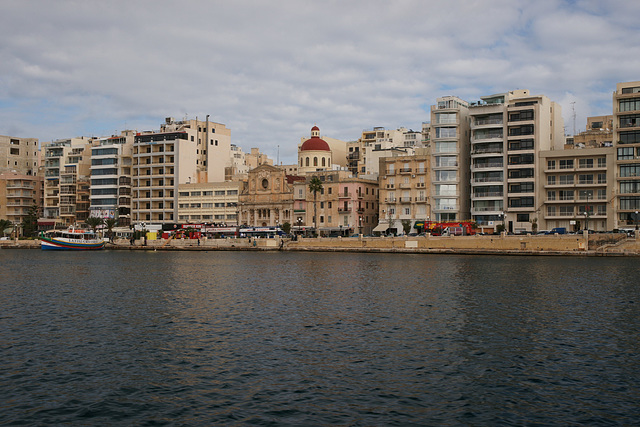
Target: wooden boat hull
x=70, y=244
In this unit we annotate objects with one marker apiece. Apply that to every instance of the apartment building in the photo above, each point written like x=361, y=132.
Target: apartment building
x=508, y=131
x=578, y=185
x=19, y=194
x=181, y=152
x=345, y=205
x=66, y=167
x=111, y=169
x=450, y=159
x=380, y=142
x=626, y=140
x=599, y=133
x=209, y=202
x=404, y=191
x=20, y=155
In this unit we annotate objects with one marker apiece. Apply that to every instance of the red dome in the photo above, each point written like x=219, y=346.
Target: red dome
x=315, y=128
x=315, y=144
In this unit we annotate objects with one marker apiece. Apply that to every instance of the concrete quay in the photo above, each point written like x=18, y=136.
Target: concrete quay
x=575, y=244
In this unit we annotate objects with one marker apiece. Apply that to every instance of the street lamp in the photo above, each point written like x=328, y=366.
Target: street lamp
x=636, y=218
x=503, y=215
x=360, y=225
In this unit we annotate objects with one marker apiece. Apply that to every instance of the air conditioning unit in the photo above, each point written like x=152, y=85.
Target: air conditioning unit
x=413, y=176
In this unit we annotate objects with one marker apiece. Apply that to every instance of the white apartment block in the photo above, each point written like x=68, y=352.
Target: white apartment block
x=450, y=159
x=111, y=169
x=182, y=152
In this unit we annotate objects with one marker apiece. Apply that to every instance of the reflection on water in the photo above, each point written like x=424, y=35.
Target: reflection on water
x=316, y=339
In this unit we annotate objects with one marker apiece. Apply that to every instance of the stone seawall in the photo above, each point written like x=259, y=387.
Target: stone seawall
x=593, y=245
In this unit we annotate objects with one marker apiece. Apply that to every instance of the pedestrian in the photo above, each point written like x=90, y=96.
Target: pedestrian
x=198, y=241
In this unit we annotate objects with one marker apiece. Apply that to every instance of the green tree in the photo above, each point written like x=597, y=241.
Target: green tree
x=5, y=224
x=30, y=222
x=315, y=185
x=534, y=225
x=94, y=222
x=406, y=225
x=286, y=227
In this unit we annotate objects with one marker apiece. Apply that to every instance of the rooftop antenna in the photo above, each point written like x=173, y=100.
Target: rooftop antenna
x=278, y=156
x=573, y=108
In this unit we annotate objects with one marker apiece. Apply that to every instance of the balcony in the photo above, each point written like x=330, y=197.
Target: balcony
x=390, y=172
x=404, y=170
x=344, y=209
x=405, y=199
x=345, y=195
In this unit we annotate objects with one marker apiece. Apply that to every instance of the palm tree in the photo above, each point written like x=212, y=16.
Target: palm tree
x=110, y=223
x=94, y=222
x=315, y=185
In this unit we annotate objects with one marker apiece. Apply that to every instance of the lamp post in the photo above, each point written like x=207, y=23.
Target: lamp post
x=636, y=219
x=503, y=215
x=299, y=221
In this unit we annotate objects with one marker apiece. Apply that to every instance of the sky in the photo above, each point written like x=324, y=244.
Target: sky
x=272, y=70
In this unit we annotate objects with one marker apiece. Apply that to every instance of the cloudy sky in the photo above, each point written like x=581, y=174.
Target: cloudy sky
x=270, y=70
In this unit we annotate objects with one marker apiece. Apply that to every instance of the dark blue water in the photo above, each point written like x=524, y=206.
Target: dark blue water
x=235, y=338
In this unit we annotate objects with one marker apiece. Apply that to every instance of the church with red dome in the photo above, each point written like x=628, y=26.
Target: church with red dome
x=314, y=154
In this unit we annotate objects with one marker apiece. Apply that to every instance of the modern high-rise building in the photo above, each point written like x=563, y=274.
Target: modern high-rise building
x=181, y=152
x=450, y=159
x=626, y=140
x=111, y=168
x=508, y=131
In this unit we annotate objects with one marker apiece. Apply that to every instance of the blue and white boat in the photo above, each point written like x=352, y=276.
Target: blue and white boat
x=77, y=240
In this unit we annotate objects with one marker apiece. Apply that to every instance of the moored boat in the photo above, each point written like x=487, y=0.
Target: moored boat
x=71, y=240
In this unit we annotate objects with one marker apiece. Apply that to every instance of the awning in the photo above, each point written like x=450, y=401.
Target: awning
x=381, y=227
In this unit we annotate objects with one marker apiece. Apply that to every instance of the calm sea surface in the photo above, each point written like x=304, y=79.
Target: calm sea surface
x=235, y=338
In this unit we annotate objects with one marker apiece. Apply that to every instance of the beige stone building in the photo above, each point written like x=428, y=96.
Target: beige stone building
x=576, y=189
x=209, y=202
x=19, y=193
x=66, y=170
x=599, y=133
x=266, y=199
x=626, y=140
x=345, y=205
x=404, y=191
x=21, y=155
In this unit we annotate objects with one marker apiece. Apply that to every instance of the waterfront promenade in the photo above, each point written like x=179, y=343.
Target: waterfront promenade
x=574, y=244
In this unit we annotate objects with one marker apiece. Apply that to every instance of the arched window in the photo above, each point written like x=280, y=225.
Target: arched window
x=323, y=162
x=307, y=162
x=315, y=161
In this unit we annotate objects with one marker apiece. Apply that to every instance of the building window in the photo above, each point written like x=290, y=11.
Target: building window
x=585, y=163
x=551, y=164
x=522, y=218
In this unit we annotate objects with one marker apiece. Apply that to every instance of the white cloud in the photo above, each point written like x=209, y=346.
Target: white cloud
x=271, y=70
